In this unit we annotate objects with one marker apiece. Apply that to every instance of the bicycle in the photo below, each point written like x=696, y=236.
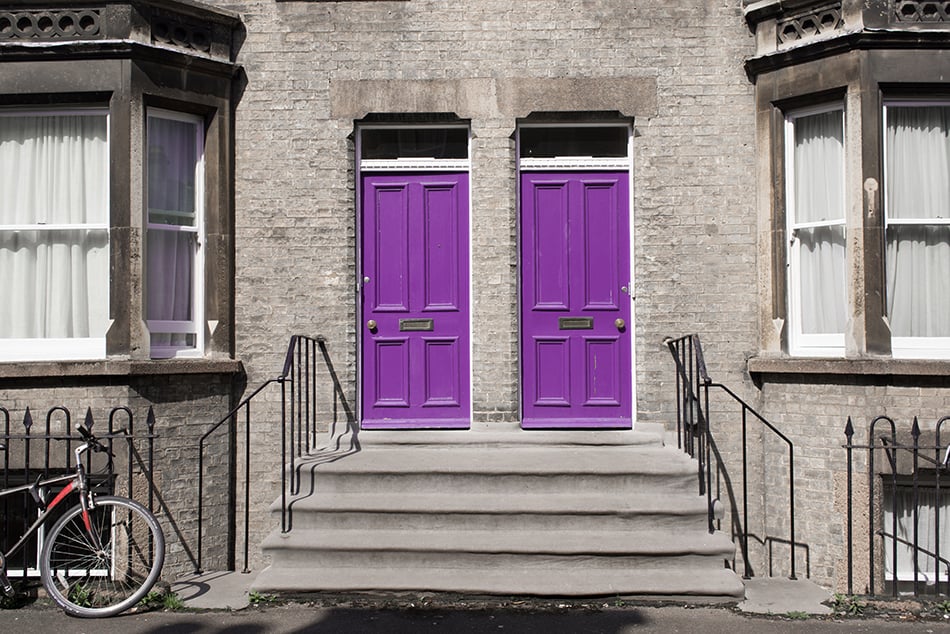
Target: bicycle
x=103, y=555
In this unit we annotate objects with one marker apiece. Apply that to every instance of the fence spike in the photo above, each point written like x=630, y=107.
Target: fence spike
x=150, y=419
x=88, y=422
x=28, y=420
x=849, y=430
x=915, y=429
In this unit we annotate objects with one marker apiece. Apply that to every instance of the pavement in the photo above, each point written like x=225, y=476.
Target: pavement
x=223, y=603
x=232, y=591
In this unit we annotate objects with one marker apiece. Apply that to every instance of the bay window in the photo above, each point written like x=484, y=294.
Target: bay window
x=116, y=191
x=54, y=234
x=816, y=231
x=173, y=262
x=917, y=213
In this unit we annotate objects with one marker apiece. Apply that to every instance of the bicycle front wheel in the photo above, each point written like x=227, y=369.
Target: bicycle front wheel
x=106, y=566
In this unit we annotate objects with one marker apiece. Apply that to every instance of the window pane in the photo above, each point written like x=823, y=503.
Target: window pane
x=54, y=171
x=917, y=180
x=918, y=280
x=918, y=162
x=819, y=167
x=396, y=143
x=928, y=508
x=822, y=280
x=818, y=286
x=56, y=284
x=170, y=273
x=552, y=142
x=173, y=266
x=172, y=159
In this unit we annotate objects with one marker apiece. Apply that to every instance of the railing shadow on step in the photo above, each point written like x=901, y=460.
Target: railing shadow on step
x=299, y=383
x=695, y=437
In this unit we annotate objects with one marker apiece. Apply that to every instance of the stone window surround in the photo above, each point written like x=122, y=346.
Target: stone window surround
x=128, y=77
x=863, y=80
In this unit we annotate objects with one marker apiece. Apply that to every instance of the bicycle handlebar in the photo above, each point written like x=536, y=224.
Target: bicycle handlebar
x=93, y=443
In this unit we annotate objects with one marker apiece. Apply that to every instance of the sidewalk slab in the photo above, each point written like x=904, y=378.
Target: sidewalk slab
x=783, y=596
x=215, y=590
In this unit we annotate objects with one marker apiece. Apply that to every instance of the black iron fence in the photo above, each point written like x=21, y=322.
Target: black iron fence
x=695, y=437
x=902, y=503
x=299, y=383
x=32, y=449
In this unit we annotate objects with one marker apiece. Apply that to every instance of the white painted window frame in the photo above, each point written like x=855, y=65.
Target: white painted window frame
x=802, y=344
x=912, y=347
x=59, y=349
x=196, y=325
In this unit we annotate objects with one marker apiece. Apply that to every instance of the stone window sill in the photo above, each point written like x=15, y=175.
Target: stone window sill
x=118, y=368
x=861, y=367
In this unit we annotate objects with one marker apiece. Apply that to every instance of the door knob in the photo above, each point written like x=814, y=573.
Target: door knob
x=619, y=323
x=371, y=324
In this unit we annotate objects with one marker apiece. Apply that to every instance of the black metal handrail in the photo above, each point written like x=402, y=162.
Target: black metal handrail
x=298, y=382
x=892, y=474
x=695, y=437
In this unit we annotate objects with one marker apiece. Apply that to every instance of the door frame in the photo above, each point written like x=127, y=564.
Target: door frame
x=578, y=164
x=402, y=166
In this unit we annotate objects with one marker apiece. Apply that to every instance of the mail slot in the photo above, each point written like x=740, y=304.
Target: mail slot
x=415, y=325
x=575, y=323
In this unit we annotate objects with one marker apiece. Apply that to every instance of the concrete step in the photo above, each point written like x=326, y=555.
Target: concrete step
x=511, y=436
x=558, y=549
x=536, y=469
x=711, y=585
x=445, y=511
x=530, y=513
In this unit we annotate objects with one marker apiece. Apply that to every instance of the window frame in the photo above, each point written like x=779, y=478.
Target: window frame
x=903, y=347
x=800, y=343
x=195, y=325
x=66, y=348
x=927, y=485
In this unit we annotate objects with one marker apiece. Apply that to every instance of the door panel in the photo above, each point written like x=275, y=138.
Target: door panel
x=415, y=267
x=575, y=265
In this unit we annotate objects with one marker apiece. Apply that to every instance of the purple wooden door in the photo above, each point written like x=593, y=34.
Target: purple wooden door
x=415, y=330
x=575, y=310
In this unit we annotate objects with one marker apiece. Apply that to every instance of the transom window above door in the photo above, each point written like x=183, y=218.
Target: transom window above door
x=574, y=146
x=393, y=147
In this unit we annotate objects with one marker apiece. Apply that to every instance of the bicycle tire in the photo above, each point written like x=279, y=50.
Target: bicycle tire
x=90, y=582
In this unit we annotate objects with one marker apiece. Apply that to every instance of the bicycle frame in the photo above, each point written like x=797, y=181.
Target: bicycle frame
x=76, y=481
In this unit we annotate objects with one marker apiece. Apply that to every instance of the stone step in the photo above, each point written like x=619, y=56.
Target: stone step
x=512, y=549
x=417, y=511
x=510, y=436
x=526, y=513
x=708, y=585
x=536, y=469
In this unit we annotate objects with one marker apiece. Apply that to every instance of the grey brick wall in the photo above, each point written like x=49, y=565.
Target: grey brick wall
x=185, y=408
x=677, y=69
x=313, y=68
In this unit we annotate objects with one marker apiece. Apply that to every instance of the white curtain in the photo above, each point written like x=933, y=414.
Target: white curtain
x=819, y=197
x=172, y=238
x=918, y=188
x=928, y=509
x=54, y=171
